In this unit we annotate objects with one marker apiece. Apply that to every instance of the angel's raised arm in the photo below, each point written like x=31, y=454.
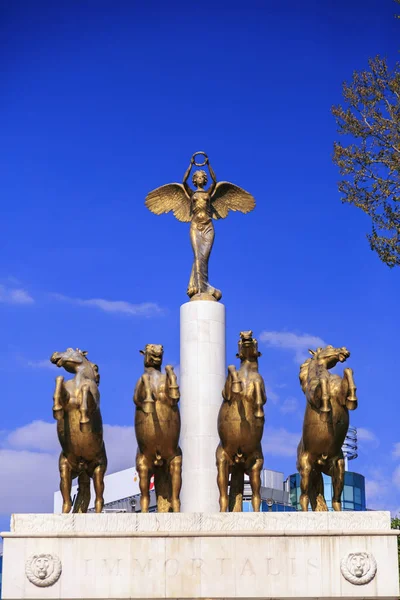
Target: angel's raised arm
x=213, y=178
x=187, y=187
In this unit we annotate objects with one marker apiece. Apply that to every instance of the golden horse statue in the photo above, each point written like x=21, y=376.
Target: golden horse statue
x=240, y=427
x=326, y=422
x=157, y=427
x=80, y=430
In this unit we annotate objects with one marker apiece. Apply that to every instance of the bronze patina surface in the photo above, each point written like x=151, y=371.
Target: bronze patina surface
x=326, y=422
x=240, y=427
x=157, y=427
x=200, y=207
x=80, y=429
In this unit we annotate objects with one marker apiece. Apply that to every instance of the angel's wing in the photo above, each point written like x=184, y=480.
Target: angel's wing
x=228, y=196
x=170, y=197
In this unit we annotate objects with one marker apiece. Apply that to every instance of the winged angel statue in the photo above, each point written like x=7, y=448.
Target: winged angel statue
x=200, y=207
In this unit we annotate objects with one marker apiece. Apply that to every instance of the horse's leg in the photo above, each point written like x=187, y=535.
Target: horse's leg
x=82, y=501
x=148, y=402
x=349, y=389
x=84, y=423
x=58, y=410
x=171, y=385
x=144, y=470
x=236, y=488
x=255, y=482
x=98, y=483
x=175, y=469
x=316, y=491
x=337, y=481
x=65, y=482
x=222, y=477
x=325, y=409
x=304, y=466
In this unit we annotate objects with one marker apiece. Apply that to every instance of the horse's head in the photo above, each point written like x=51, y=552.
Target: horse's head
x=330, y=356
x=248, y=347
x=71, y=360
x=153, y=355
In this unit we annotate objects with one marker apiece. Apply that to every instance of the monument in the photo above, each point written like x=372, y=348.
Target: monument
x=202, y=552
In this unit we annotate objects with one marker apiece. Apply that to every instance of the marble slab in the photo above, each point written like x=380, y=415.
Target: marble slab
x=195, y=555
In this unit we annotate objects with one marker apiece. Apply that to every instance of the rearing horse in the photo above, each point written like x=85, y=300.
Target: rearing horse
x=240, y=427
x=80, y=430
x=157, y=427
x=326, y=422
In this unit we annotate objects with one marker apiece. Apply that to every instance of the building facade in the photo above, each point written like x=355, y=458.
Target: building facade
x=122, y=493
x=353, y=496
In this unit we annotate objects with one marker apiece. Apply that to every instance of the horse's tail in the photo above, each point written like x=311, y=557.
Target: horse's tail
x=236, y=488
x=82, y=500
x=162, y=484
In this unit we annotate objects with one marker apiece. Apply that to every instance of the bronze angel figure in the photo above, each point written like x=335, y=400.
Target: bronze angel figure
x=200, y=207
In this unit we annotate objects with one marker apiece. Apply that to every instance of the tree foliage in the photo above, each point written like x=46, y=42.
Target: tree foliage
x=370, y=162
x=396, y=525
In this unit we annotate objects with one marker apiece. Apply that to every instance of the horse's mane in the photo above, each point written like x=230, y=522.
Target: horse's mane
x=303, y=375
x=92, y=364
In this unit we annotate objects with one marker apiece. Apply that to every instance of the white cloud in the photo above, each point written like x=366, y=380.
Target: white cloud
x=280, y=442
x=145, y=309
x=41, y=364
x=37, y=436
x=10, y=295
x=29, y=464
x=378, y=489
x=396, y=477
x=271, y=395
x=290, y=405
x=396, y=450
x=367, y=436
x=29, y=481
x=299, y=343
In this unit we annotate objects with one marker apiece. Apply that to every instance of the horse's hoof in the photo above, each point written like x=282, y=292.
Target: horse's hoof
x=351, y=404
x=236, y=387
x=174, y=392
x=148, y=407
x=85, y=427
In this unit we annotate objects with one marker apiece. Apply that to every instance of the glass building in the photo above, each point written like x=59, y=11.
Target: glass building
x=353, y=496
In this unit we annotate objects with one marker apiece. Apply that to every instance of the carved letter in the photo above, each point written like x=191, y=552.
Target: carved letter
x=222, y=572
x=269, y=568
x=197, y=565
x=247, y=568
x=111, y=567
x=88, y=566
x=174, y=564
x=312, y=564
x=293, y=566
x=146, y=567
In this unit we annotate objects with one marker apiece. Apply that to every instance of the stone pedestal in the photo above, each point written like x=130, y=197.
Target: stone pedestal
x=202, y=377
x=230, y=556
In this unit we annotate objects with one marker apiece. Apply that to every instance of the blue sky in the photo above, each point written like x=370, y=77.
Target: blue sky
x=100, y=102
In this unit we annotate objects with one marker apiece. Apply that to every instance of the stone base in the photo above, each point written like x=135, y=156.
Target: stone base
x=196, y=555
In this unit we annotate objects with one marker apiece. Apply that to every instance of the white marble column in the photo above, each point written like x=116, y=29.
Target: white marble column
x=202, y=377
